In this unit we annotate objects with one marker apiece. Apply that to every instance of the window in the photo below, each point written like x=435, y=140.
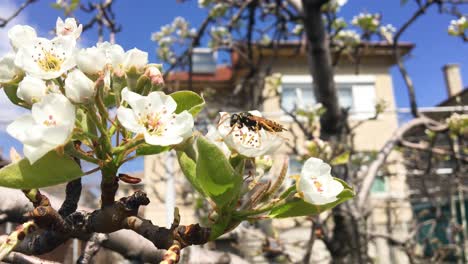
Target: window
x=204, y=61
x=296, y=95
x=379, y=185
x=356, y=92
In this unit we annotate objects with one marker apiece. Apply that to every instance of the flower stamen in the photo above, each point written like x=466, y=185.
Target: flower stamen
x=50, y=62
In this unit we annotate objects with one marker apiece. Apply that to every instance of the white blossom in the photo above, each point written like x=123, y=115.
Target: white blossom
x=458, y=27
x=8, y=69
x=135, y=58
x=215, y=137
x=21, y=35
x=153, y=116
x=31, y=89
x=78, y=87
x=316, y=185
x=95, y=59
x=46, y=59
x=49, y=126
x=68, y=28
x=91, y=60
x=347, y=38
x=246, y=141
x=114, y=53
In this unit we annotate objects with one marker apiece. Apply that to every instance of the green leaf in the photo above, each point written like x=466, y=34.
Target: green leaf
x=343, y=158
x=10, y=91
x=215, y=174
x=189, y=168
x=188, y=100
x=238, y=163
x=50, y=170
x=147, y=149
x=297, y=207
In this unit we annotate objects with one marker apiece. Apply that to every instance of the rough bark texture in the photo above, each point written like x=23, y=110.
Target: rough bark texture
x=321, y=68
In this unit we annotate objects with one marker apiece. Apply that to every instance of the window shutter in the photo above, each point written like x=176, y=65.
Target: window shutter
x=364, y=101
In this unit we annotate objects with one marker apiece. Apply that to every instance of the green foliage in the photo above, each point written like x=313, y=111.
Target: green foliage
x=341, y=159
x=10, y=91
x=297, y=207
x=188, y=100
x=215, y=174
x=50, y=170
x=147, y=149
x=189, y=168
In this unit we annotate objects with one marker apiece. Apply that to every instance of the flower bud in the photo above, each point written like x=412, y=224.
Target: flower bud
x=68, y=28
x=8, y=69
x=31, y=89
x=154, y=74
x=78, y=87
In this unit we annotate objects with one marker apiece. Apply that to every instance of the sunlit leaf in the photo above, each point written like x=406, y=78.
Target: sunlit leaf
x=50, y=170
x=190, y=101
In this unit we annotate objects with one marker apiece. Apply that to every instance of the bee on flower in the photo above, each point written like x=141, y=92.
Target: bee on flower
x=249, y=134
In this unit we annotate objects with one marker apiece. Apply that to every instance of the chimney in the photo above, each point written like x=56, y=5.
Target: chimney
x=453, y=80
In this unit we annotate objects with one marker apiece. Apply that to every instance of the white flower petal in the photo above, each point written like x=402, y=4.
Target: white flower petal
x=78, y=87
x=160, y=101
x=35, y=152
x=91, y=60
x=115, y=54
x=182, y=126
x=247, y=142
x=31, y=89
x=48, y=126
x=317, y=184
x=135, y=58
x=68, y=28
x=8, y=69
x=215, y=137
x=162, y=140
x=23, y=129
x=129, y=120
x=46, y=59
x=54, y=108
x=315, y=198
x=21, y=35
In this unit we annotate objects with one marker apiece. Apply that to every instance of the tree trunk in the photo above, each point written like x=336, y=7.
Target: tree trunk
x=345, y=245
x=321, y=68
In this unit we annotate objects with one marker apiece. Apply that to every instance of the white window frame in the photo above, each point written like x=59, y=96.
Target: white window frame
x=357, y=81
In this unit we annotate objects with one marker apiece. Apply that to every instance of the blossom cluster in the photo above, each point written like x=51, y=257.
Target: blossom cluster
x=367, y=22
x=220, y=36
x=334, y=5
x=347, y=38
x=458, y=123
x=387, y=32
x=217, y=8
x=458, y=27
x=55, y=79
x=177, y=32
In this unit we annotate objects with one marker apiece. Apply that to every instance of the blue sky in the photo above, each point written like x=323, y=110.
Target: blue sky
x=434, y=47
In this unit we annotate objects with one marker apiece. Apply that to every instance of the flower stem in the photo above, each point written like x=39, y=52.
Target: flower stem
x=129, y=145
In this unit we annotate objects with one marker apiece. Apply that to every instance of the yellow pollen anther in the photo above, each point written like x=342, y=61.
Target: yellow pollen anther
x=50, y=62
x=153, y=123
x=318, y=185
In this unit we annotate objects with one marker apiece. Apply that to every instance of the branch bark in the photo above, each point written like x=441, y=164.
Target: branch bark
x=382, y=157
x=321, y=67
